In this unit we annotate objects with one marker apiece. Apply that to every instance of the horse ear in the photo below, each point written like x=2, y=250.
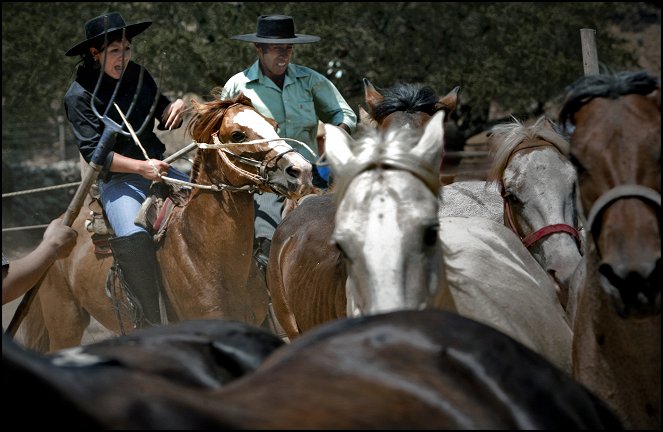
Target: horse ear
x=372, y=97
x=366, y=119
x=431, y=144
x=338, y=149
x=448, y=103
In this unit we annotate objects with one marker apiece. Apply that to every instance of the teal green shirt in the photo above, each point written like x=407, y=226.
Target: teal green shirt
x=307, y=96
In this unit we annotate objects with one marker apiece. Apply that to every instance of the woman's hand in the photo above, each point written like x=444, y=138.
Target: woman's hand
x=173, y=114
x=152, y=168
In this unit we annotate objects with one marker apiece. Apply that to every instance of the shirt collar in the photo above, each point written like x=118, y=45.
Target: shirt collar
x=255, y=74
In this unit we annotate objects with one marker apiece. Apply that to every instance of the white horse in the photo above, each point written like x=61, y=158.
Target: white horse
x=400, y=255
x=532, y=192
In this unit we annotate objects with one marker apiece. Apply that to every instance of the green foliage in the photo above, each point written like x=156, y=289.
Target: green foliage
x=519, y=55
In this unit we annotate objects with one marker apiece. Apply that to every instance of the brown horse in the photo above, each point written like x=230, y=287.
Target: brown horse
x=306, y=273
x=616, y=147
x=205, y=254
x=401, y=370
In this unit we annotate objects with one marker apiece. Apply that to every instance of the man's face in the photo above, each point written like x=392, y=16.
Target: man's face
x=274, y=58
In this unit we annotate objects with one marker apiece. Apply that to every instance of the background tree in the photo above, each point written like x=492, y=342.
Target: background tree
x=517, y=56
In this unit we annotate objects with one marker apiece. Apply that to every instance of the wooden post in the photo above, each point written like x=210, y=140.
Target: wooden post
x=590, y=60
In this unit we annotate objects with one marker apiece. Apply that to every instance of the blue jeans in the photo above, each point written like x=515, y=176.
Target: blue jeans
x=122, y=197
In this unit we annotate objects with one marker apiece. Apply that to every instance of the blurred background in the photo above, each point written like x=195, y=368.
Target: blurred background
x=508, y=58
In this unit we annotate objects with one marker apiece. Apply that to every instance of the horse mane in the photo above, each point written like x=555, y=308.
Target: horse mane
x=207, y=119
x=406, y=97
x=506, y=137
x=605, y=85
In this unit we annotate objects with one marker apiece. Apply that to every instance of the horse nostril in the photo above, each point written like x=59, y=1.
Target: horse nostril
x=293, y=171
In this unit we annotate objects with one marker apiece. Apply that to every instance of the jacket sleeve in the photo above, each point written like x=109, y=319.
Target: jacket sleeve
x=86, y=127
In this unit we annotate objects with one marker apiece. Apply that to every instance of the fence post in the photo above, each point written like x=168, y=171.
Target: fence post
x=590, y=60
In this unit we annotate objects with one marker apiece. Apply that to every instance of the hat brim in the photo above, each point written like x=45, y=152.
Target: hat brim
x=298, y=39
x=132, y=30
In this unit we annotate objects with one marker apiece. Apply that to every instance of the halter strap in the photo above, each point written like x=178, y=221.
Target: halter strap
x=618, y=192
x=405, y=162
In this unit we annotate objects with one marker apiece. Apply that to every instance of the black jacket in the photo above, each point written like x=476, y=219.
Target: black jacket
x=88, y=128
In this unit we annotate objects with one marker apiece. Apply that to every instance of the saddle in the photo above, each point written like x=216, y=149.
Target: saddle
x=153, y=215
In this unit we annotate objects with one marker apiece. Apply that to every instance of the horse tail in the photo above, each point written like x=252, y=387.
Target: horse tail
x=33, y=331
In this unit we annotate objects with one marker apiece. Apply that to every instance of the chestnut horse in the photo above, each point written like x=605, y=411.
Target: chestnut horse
x=616, y=146
x=400, y=370
x=531, y=189
x=205, y=255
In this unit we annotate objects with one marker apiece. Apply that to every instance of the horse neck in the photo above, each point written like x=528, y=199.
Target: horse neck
x=217, y=217
x=618, y=359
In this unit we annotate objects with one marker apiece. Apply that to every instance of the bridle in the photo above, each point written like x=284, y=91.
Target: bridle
x=416, y=166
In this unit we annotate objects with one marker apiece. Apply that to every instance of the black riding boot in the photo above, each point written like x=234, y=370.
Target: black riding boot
x=137, y=259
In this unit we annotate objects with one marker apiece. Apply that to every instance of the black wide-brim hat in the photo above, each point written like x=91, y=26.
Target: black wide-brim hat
x=110, y=23
x=276, y=29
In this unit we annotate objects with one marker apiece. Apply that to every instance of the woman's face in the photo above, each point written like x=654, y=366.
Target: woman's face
x=114, y=58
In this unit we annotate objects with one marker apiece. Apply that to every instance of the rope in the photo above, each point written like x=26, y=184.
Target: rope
x=25, y=228
x=11, y=194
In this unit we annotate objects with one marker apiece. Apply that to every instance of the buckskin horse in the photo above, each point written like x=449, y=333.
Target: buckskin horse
x=615, y=121
x=205, y=254
x=530, y=188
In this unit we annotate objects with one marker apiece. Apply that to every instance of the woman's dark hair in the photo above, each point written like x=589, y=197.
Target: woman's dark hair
x=88, y=59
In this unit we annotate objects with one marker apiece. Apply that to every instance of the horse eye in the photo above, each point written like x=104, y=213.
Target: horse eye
x=238, y=136
x=511, y=198
x=430, y=236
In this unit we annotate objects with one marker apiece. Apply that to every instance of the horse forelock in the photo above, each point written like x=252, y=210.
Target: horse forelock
x=406, y=97
x=387, y=149
x=507, y=137
x=605, y=85
x=207, y=121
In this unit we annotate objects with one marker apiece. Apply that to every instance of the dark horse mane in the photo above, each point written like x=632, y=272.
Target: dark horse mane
x=605, y=85
x=207, y=119
x=406, y=97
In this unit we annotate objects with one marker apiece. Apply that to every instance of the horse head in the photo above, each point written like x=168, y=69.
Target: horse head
x=386, y=221
x=245, y=151
x=615, y=121
x=537, y=183
x=405, y=105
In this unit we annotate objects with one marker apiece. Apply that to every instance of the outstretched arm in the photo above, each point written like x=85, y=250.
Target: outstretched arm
x=24, y=273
